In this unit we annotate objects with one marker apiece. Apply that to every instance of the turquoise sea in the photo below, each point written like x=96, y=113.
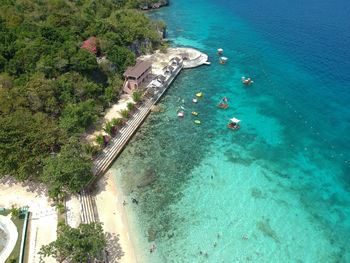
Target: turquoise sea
x=283, y=179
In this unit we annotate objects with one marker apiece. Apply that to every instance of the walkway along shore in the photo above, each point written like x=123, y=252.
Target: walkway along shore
x=106, y=157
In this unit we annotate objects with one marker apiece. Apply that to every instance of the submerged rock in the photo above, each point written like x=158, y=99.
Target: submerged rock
x=151, y=235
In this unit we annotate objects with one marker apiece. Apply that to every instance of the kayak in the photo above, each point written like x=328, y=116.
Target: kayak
x=197, y=121
x=194, y=113
x=199, y=94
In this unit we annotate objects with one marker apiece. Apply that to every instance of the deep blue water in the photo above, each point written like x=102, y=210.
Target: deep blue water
x=283, y=179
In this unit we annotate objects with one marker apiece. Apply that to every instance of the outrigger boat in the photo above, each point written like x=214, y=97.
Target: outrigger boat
x=199, y=94
x=223, y=60
x=223, y=103
x=220, y=51
x=234, y=124
x=194, y=100
x=247, y=81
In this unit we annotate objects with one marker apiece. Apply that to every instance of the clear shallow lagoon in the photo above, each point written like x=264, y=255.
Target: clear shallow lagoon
x=283, y=179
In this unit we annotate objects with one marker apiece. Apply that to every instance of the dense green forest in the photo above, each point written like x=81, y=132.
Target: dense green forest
x=51, y=89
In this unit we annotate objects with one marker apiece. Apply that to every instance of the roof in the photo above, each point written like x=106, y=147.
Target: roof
x=235, y=120
x=90, y=45
x=220, y=50
x=137, y=70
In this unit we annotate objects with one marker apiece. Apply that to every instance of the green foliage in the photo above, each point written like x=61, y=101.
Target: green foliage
x=116, y=122
x=130, y=106
x=90, y=149
x=69, y=171
x=84, y=62
x=136, y=96
x=108, y=127
x=163, y=47
x=50, y=88
x=11, y=259
x=15, y=211
x=25, y=139
x=124, y=113
x=82, y=244
x=60, y=223
x=122, y=57
x=99, y=140
x=75, y=117
x=60, y=207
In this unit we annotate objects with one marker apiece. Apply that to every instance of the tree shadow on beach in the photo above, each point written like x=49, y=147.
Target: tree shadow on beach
x=34, y=187
x=115, y=252
x=99, y=185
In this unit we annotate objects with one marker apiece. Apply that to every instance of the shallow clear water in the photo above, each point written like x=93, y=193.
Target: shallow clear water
x=283, y=179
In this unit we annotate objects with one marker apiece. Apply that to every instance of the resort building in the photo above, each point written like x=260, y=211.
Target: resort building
x=136, y=75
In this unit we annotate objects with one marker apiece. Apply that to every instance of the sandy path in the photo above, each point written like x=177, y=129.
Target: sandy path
x=111, y=213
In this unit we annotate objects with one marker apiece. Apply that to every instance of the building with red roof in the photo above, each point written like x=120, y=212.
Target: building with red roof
x=90, y=45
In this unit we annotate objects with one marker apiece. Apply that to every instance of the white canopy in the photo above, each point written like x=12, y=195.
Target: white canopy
x=235, y=120
x=220, y=50
x=224, y=58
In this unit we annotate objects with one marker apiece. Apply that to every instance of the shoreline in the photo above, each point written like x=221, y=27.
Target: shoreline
x=109, y=203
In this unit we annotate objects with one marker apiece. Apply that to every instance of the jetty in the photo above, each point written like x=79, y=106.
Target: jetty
x=182, y=58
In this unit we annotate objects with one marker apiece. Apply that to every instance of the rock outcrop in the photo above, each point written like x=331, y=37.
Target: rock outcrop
x=144, y=46
x=153, y=4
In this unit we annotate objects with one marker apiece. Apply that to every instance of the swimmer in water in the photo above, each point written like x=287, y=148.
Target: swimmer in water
x=218, y=235
x=214, y=244
x=245, y=237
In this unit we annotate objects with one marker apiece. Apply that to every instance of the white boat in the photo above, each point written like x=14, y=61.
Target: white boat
x=234, y=124
x=220, y=51
x=223, y=60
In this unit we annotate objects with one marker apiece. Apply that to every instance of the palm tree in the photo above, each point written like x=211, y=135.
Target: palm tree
x=130, y=106
x=124, y=113
x=99, y=140
x=137, y=96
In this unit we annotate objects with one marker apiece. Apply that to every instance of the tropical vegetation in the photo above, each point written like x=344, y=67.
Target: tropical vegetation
x=52, y=86
x=82, y=244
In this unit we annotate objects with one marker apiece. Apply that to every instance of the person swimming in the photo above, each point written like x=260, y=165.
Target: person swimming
x=214, y=244
x=245, y=237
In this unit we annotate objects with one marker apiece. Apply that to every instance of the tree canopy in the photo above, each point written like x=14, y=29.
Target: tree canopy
x=76, y=244
x=51, y=87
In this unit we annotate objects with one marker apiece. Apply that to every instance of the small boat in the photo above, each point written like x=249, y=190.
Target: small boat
x=194, y=100
x=220, y=51
x=180, y=114
x=197, y=121
x=194, y=113
x=247, y=81
x=199, y=94
x=183, y=101
x=223, y=103
x=223, y=60
x=234, y=124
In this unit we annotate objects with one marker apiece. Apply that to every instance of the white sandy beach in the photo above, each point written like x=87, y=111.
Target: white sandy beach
x=111, y=213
